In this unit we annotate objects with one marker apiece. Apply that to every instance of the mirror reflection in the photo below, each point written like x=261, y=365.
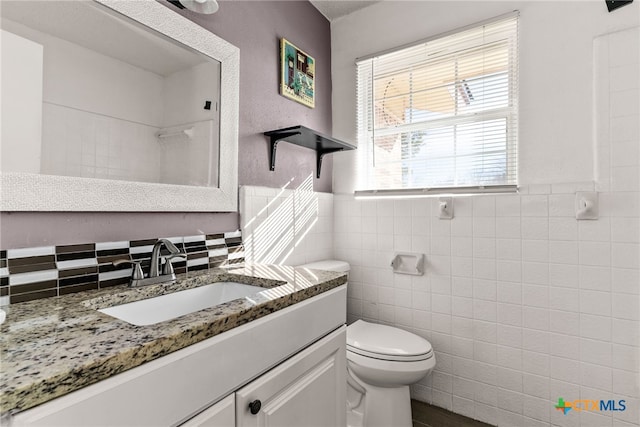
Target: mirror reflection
x=88, y=93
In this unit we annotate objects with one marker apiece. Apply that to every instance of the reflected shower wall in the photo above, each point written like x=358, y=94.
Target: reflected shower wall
x=76, y=107
x=89, y=145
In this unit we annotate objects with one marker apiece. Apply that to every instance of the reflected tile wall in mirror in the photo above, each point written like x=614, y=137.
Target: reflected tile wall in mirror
x=100, y=96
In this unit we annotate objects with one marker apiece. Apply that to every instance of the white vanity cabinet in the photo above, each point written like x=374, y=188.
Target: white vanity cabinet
x=293, y=361
x=306, y=390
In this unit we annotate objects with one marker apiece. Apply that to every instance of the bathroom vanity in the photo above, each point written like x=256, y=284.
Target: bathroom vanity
x=276, y=358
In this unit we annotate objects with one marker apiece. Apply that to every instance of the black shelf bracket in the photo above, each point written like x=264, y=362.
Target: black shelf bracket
x=305, y=137
x=320, y=155
x=274, y=139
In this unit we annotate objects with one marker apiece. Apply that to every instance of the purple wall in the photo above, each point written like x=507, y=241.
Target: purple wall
x=256, y=28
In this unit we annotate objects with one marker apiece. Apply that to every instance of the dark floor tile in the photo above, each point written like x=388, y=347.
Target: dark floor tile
x=432, y=416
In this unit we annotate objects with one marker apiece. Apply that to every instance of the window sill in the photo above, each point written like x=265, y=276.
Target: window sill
x=436, y=192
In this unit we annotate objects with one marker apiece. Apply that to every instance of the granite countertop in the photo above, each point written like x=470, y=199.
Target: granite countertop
x=53, y=346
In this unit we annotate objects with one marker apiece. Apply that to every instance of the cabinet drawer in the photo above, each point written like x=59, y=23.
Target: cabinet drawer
x=222, y=414
x=307, y=390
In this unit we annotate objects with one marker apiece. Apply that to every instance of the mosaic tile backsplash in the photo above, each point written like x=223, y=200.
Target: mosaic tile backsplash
x=48, y=271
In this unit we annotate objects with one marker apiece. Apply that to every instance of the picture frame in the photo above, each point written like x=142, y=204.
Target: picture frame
x=297, y=74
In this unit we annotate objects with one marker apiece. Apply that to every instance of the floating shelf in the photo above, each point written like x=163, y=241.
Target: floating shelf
x=305, y=137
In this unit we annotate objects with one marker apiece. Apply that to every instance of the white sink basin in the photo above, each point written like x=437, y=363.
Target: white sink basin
x=170, y=306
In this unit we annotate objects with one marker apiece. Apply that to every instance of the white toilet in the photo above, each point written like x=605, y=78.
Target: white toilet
x=382, y=361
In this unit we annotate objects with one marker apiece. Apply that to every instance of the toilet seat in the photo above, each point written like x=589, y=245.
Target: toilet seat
x=388, y=357
x=386, y=343
x=388, y=373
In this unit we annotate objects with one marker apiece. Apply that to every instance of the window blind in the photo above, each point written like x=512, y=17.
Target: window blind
x=442, y=113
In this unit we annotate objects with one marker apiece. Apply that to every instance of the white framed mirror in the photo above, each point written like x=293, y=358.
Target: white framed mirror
x=111, y=105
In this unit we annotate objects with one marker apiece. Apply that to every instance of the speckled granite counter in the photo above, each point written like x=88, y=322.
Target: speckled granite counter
x=53, y=346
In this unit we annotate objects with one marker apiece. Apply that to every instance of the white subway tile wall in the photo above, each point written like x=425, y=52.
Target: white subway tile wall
x=91, y=145
x=551, y=311
x=71, y=147
x=287, y=226
x=522, y=303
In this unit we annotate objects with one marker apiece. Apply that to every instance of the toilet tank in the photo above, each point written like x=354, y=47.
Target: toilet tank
x=329, y=264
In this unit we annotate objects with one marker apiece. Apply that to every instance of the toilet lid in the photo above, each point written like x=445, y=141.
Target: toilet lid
x=386, y=342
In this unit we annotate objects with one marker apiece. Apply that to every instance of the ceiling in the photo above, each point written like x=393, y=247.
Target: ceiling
x=334, y=9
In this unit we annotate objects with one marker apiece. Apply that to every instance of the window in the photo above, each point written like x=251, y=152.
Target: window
x=441, y=114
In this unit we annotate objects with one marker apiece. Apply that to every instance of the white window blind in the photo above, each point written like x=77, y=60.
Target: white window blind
x=442, y=113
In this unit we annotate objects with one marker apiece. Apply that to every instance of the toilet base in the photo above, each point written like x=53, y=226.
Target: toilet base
x=379, y=406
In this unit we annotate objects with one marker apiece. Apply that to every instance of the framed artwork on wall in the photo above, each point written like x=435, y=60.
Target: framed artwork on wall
x=297, y=74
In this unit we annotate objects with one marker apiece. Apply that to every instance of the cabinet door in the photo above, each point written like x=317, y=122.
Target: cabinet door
x=308, y=390
x=222, y=414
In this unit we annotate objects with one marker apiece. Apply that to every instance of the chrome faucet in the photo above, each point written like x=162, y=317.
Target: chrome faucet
x=154, y=271
x=155, y=276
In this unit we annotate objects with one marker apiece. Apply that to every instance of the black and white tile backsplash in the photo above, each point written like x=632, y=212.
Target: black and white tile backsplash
x=33, y=273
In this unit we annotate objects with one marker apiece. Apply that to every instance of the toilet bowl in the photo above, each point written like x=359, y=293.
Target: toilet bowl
x=382, y=361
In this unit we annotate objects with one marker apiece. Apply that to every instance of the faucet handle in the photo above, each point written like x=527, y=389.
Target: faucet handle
x=167, y=268
x=137, y=273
